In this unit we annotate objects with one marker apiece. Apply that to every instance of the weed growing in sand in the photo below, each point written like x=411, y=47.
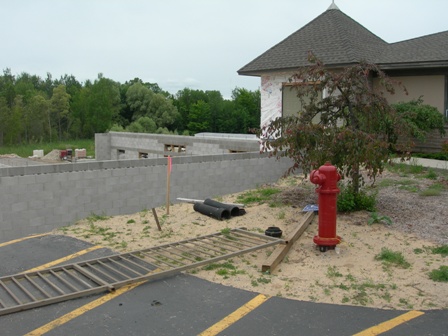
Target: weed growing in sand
x=433, y=190
x=389, y=257
x=443, y=250
x=95, y=218
x=260, y=195
x=431, y=175
x=332, y=272
x=281, y=215
x=130, y=221
x=440, y=274
x=405, y=303
x=376, y=218
x=225, y=269
x=123, y=244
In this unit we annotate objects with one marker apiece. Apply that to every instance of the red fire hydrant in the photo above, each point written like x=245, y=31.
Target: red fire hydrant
x=327, y=178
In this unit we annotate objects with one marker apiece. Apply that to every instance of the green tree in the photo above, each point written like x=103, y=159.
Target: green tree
x=13, y=122
x=247, y=109
x=5, y=112
x=142, y=125
x=199, y=117
x=356, y=127
x=59, y=109
x=7, y=82
x=143, y=102
x=35, y=118
x=184, y=99
x=103, y=105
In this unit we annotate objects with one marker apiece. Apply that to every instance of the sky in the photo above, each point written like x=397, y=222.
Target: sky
x=199, y=44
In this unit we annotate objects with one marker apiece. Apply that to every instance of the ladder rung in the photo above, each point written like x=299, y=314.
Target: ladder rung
x=10, y=293
x=23, y=288
x=114, y=270
x=52, y=285
x=89, y=275
x=121, y=264
x=146, y=270
x=75, y=278
x=37, y=286
x=65, y=282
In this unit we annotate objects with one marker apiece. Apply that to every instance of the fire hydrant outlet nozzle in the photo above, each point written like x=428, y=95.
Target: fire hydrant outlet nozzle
x=327, y=178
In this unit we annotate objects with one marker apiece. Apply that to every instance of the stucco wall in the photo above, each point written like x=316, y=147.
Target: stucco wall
x=271, y=97
x=432, y=88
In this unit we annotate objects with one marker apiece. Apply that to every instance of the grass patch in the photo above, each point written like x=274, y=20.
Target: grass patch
x=431, y=175
x=433, y=190
x=404, y=169
x=376, y=218
x=443, y=250
x=440, y=274
x=226, y=265
x=389, y=257
x=95, y=218
x=260, y=196
x=27, y=150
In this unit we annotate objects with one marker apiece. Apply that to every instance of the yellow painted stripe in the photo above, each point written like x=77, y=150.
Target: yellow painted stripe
x=235, y=316
x=81, y=310
x=22, y=239
x=66, y=258
x=84, y=309
x=388, y=325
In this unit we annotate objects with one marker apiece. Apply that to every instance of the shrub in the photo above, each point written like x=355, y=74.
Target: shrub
x=349, y=201
x=421, y=118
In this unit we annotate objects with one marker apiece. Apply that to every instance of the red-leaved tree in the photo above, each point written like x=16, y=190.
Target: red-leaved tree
x=351, y=124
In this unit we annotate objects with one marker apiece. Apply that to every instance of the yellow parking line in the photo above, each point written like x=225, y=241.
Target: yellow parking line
x=235, y=316
x=81, y=310
x=22, y=239
x=388, y=325
x=66, y=258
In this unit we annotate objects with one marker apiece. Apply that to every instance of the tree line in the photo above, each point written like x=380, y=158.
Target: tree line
x=35, y=109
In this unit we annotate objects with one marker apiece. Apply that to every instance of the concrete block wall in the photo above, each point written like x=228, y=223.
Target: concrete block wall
x=154, y=145
x=37, y=199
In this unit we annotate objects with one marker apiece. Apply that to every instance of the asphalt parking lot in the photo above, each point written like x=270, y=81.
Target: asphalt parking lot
x=186, y=305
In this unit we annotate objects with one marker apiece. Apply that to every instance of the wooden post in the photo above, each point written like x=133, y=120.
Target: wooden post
x=168, y=177
x=156, y=219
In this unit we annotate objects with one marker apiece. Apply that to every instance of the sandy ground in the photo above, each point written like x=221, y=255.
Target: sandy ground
x=350, y=274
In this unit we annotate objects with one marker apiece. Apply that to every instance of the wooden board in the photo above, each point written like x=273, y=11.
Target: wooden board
x=281, y=250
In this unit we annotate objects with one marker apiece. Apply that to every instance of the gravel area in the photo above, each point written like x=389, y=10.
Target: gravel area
x=410, y=211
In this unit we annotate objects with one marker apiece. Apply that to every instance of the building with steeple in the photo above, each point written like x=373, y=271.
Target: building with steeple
x=421, y=63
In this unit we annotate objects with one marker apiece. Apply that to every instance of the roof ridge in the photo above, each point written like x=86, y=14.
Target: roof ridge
x=419, y=37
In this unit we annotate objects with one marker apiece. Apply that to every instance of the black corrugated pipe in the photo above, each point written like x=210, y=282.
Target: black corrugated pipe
x=211, y=211
x=234, y=210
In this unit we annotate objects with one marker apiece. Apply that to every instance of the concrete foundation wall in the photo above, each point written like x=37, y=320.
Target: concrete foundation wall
x=123, y=145
x=37, y=199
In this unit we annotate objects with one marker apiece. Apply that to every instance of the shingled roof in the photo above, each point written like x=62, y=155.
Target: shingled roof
x=338, y=40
